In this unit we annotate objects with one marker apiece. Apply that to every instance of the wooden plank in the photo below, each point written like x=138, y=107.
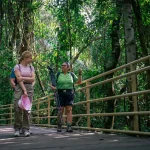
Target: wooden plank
x=134, y=98
x=49, y=105
x=88, y=105
x=113, y=97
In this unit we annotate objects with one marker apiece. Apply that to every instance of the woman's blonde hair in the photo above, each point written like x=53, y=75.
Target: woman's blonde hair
x=25, y=54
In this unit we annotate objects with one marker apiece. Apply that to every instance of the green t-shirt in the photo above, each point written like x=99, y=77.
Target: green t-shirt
x=65, y=81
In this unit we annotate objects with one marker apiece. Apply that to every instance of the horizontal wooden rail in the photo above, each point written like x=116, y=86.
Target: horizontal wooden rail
x=44, y=101
x=115, y=78
x=45, y=97
x=115, y=114
x=116, y=69
x=5, y=119
x=102, y=114
x=40, y=110
x=5, y=114
x=4, y=108
x=8, y=105
x=113, y=97
x=113, y=130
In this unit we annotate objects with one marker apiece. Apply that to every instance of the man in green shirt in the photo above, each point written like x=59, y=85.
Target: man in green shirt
x=65, y=88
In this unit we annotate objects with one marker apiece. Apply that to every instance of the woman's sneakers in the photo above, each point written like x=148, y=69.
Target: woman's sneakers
x=27, y=133
x=17, y=134
x=59, y=127
x=69, y=128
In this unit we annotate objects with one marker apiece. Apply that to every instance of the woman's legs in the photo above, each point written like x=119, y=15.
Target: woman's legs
x=18, y=119
x=66, y=100
x=17, y=111
x=69, y=114
x=60, y=115
x=69, y=118
x=26, y=114
x=60, y=118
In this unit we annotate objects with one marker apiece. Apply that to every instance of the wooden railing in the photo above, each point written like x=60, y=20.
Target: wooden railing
x=42, y=107
x=6, y=114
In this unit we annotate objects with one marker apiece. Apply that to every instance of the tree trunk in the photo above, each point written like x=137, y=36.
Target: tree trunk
x=130, y=56
x=1, y=18
x=112, y=62
x=142, y=39
x=28, y=35
x=68, y=14
x=140, y=26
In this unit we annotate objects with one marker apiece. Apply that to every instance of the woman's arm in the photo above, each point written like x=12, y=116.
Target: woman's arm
x=79, y=77
x=19, y=79
x=53, y=87
x=12, y=82
x=23, y=88
x=29, y=79
x=33, y=83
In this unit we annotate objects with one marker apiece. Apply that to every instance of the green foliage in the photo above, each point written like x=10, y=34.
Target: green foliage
x=61, y=30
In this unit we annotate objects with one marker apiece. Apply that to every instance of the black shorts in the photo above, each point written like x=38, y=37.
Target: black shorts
x=66, y=97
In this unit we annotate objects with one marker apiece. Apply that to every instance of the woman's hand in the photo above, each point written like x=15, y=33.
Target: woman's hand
x=80, y=72
x=79, y=77
x=25, y=93
x=52, y=87
x=19, y=78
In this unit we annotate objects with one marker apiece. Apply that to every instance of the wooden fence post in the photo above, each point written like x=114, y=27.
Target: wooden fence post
x=49, y=105
x=11, y=107
x=38, y=108
x=134, y=98
x=88, y=104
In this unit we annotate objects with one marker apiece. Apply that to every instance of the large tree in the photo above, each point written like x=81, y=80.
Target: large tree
x=130, y=46
x=113, y=60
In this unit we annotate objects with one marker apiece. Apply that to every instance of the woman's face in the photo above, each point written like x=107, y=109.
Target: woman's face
x=64, y=67
x=28, y=60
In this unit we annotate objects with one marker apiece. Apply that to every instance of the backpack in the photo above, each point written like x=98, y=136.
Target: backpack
x=71, y=73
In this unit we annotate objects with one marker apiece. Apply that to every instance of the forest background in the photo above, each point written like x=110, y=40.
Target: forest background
x=95, y=35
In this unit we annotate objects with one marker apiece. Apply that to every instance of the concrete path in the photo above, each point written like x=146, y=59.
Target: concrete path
x=49, y=139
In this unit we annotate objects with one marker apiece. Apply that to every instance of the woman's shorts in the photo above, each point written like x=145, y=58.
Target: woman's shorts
x=66, y=97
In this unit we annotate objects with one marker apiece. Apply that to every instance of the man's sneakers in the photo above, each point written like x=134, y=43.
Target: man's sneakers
x=59, y=127
x=69, y=128
x=16, y=134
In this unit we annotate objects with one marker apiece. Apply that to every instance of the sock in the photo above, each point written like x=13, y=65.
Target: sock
x=68, y=124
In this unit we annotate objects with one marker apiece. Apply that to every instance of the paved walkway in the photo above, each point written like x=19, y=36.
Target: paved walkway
x=49, y=139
